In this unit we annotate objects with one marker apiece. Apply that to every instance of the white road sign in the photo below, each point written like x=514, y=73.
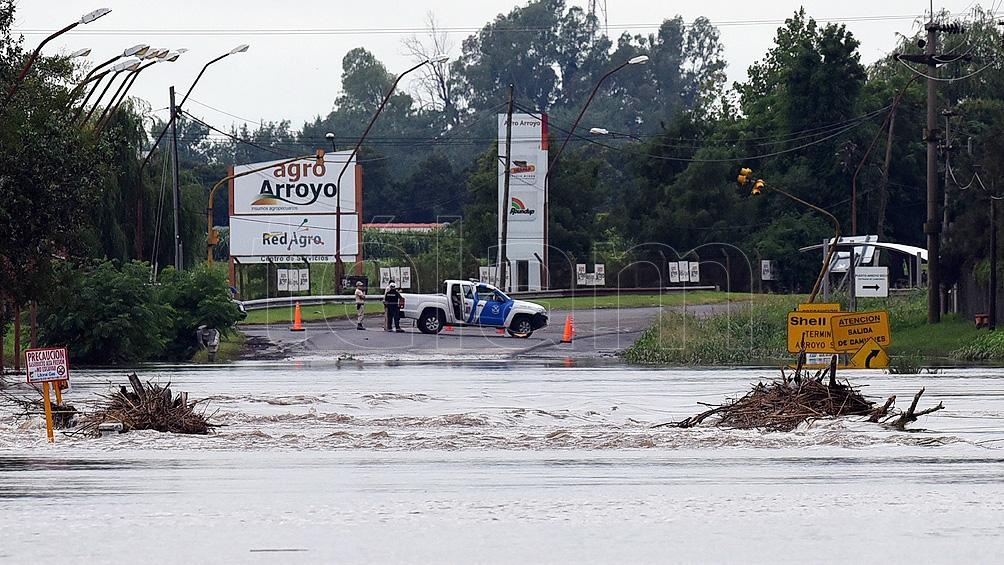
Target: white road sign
x=48, y=364
x=871, y=282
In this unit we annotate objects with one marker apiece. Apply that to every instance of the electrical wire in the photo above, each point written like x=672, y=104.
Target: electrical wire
x=447, y=30
x=695, y=160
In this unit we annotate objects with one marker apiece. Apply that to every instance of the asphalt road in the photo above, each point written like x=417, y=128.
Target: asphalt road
x=599, y=333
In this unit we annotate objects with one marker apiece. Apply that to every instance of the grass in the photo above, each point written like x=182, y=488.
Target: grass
x=316, y=313
x=638, y=300
x=323, y=312
x=757, y=334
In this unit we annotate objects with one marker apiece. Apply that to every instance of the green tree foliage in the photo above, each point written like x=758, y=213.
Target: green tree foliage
x=47, y=172
x=109, y=313
x=105, y=313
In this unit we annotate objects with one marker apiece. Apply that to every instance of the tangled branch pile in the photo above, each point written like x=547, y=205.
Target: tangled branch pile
x=149, y=407
x=782, y=405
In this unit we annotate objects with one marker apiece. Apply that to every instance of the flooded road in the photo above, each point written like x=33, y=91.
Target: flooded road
x=495, y=462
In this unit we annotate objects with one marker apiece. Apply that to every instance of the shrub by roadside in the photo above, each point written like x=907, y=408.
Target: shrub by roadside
x=108, y=313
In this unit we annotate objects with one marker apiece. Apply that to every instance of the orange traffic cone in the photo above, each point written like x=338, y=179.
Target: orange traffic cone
x=297, y=321
x=566, y=337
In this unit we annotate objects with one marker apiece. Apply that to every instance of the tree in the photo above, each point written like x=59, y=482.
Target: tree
x=48, y=172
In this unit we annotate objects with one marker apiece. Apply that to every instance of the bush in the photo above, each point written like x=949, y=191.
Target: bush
x=199, y=296
x=106, y=313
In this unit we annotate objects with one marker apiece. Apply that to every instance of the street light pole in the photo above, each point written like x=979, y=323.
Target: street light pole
x=239, y=49
x=176, y=186
x=637, y=60
x=85, y=19
x=339, y=268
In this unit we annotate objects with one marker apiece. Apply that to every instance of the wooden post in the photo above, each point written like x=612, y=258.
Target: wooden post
x=48, y=410
x=17, y=338
x=33, y=317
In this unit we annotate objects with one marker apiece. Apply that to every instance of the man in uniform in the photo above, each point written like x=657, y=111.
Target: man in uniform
x=392, y=307
x=360, y=305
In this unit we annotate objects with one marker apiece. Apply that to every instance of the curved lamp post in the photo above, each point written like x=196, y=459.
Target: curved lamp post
x=338, y=183
x=136, y=50
x=85, y=19
x=129, y=65
x=239, y=49
x=746, y=177
x=113, y=105
x=637, y=60
x=612, y=134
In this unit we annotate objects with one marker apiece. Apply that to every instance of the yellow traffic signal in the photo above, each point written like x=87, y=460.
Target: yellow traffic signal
x=744, y=175
x=758, y=187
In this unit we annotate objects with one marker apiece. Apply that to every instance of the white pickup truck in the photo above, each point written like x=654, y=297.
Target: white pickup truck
x=470, y=303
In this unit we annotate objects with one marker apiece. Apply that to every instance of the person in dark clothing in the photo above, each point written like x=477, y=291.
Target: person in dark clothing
x=392, y=306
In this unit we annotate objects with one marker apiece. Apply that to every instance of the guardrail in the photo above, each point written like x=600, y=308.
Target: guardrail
x=289, y=301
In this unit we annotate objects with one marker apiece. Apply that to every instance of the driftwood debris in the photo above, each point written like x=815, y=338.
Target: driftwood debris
x=149, y=407
x=782, y=405
x=63, y=415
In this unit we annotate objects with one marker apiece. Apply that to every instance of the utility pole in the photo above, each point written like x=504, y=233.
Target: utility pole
x=176, y=188
x=503, y=244
x=992, y=306
x=932, y=136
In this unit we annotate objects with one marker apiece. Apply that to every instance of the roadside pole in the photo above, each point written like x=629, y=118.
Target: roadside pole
x=504, y=211
x=176, y=189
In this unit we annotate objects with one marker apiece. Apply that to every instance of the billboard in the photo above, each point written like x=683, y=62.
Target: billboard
x=300, y=187
x=284, y=212
x=525, y=213
x=293, y=237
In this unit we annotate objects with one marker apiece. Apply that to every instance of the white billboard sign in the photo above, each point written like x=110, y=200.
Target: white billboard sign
x=684, y=267
x=282, y=280
x=524, y=213
x=674, y=272
x=302, y=237
x=300, y=187
x=405, y=281
x=49, y=364
x=695, y=272
x=767, y=270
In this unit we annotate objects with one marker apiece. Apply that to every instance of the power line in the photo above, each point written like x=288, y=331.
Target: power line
x=449, y=30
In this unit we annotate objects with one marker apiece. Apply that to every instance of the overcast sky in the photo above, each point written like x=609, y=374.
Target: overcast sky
x=295, y=76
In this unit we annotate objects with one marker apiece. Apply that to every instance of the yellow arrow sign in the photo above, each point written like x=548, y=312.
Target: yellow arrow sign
x=870, y=356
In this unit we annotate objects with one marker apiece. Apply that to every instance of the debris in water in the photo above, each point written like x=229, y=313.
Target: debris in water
x=782, y=405
x=149, y=407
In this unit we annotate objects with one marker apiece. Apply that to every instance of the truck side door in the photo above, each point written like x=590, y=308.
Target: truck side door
x=468, y=302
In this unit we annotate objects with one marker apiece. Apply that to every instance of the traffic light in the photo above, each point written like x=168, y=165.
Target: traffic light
x=744, y=175
x=758, y=187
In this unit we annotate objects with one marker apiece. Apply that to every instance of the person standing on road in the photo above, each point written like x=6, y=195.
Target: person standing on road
x=392, y=307
x=360, y=305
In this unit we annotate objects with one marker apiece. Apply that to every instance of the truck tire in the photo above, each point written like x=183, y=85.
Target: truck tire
x=521, y=326
x=431, y=321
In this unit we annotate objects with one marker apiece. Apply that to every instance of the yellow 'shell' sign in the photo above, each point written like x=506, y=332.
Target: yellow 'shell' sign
x=852, y=331
x=810, y=332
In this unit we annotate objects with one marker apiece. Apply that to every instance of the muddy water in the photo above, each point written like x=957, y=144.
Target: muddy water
x=318, y=462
